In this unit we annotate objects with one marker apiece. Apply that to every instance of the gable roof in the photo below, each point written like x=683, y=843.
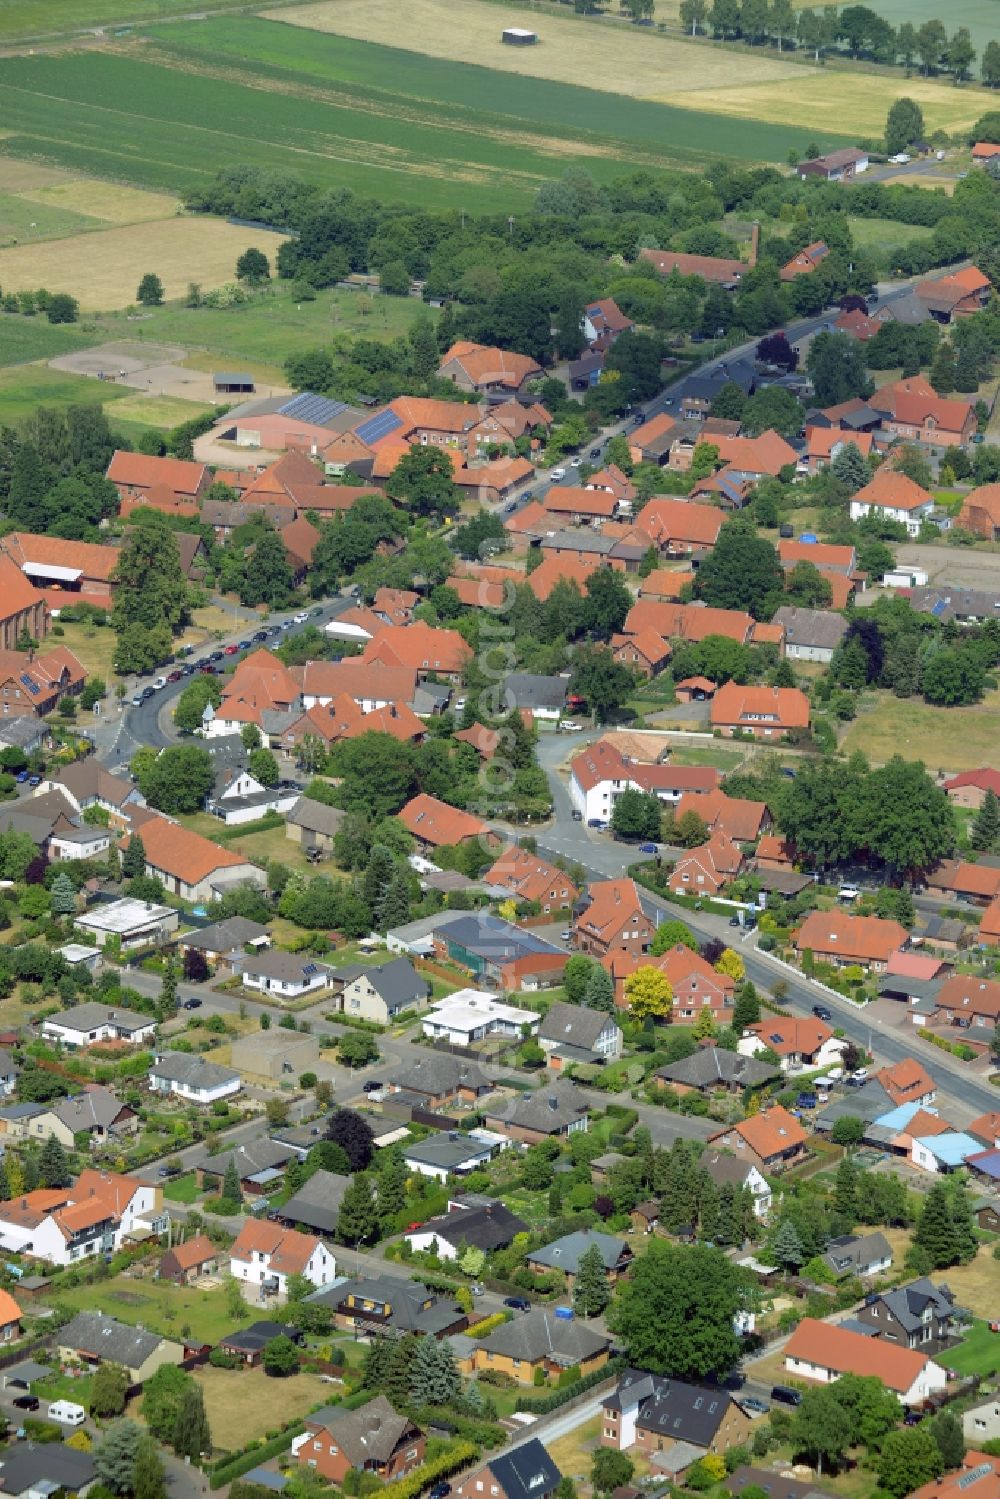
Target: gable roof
x=420, y=647
x=85, y=559
x=734, y=816
x=525, y=1471
x=485, y=365
x=17, y=593
x=671, y=1407
x=612, y=904
x=906, y=1080
x=792, y=1035
x=527, y=875
x=190, y=1254
x=714, y=268
x=482, y=1224
x=370, y=1434
x=142, y=471
x=289, y=1251
x=892, y=490
x=573, y=1025
x=785, y=707
x=434, y=821
x=834, y=1347
x=666, y=519
x=867, y=938
x=184, y=855
x=818, y=629
x=109, y=1340
x=769, y=1133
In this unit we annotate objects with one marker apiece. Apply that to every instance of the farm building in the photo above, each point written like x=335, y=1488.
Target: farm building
x=517, y=36
x=232, y=383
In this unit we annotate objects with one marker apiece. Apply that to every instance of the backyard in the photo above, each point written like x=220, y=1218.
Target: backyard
x=172, y=1311
x=245, y=1403
x=980, y=1351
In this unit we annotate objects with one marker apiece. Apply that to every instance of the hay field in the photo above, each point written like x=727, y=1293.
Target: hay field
x=109, y=201
x=825, y=100
x=103, y=269
x=618, y=60
x=945, y=739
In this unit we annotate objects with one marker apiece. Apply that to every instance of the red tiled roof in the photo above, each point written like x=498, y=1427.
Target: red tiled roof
x=555, y=569
x=289, y=1251
x=612, y=904
x=489, y=366
x=182, y=854
x=194, y=1252
x=968, y=995
x=866, y=939
x=420, y=647
x=527, y=876
x=663, y=583
x=906, y=1081
x=17, y=593
x=820, y=553
x=831, y=1346
x=985, y=779
x=792, y=1035
x=708, y=267
x=893, y=490
x=573, y=499
x=140, y=471
x=436, y=822
x=767, y=454
x=93, y=561
x=785, y=707
x=769, y=1133
x=734, y=816
x=665, y=519
x=913, y=965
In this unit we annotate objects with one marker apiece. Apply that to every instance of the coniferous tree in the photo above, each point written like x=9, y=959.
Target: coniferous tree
x=63, y=895
x=845, y=1194
x=397, y=1376
x=600, y=991
x=378, y=1357
x=358, y=1218
x=116, y=1453
x=134, y=858
x=935, y=1232
x=985, y=829
x=746, y=1008
x=231, y=1191
x=591, y=1292
x=787, y=1246
x=149, y=1479
x=53, y=1167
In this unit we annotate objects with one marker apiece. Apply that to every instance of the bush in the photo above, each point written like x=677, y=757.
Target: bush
x=220, y=1359
x=486, y=1326
x=541, y=1405
x=235, y=1467
x=414, y=1484
x=41, y=1431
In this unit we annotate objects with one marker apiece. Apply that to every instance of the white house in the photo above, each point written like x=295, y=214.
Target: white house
x=188, y=1076
x=265, y=1255
x=8, y=1074
x=242, y=798
x=470, y=1014
x=93, y=1216
x=85, y=1024
x=600, y=773
x=724, y=1167
x=80, y=843
x=454, y=1154
x=823, y=1351
x=893, y=496
x=133, y=922
x=945, y=1152
x=284, y=975
x=576, y=1033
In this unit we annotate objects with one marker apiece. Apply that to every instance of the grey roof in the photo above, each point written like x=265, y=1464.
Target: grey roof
x=430, y=697
x=253, y=1338
x=567, y=1252
x=193, y=1071
x=15, y=1111
x=908, y=1303
x=820, y=629
x=438, y=1073
x=317, y=1202
x=38, y=829
x=91, y=1016
x=671, y=1407
x=423, y=929
x=107, y=1339
x=23, y=732
x=401, y=1305
x=724, y=1168
x=525, y=689
x=444, y=1152
x=850, y=1253
x=8, y=1066
x=370, y=1434
x=577, y=541
x=288, y=967
x=526, y=1472
x=225, y=936
x=255, y=1155
x=944, y=929
x=711, y=1065
x=782, y=881
x=947, y=601
x=574, y=1025
x=28, y=1370
x=26, y=1465
x=865, y=1103
x=486, y=1228
x=775, y=1485
x=549, y=1110
x=88, y=780
x=314, y=816
x=540, y=1334
x=95, y=1108
x=925, y=990
x=397, y=982
x=494, y=939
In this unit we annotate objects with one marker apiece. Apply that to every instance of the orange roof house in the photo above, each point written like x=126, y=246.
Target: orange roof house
x=188, y=864
x=821, y=554
x=969, y=1001
x=421, y=648
x=735, y=816
x=825, y=1350
x=979, y=1475
x=980, y=512
x=806, y=261
x=772, y=1140
x=473, y=366
x=558, y=568
x=437, y=824
x=767, y=454
x=984, y=150
x=135, y=474
x=912, y=409
x=22, y=606
x=893, y=496
x=796, y=1039
x=614, y=920
x=824, y=443
x=10, y=1317
x=677, y=527
x=530, y=878
x=31, y=686
x=705, y=870
x=646, y=652
x=907, y=1082
x=977, y=882
x=300, y=539
x=989, y=926
x=664, y=583
x=66, y=570
x=574, y=504
x=773, y=852
x=711, y=268
x=956, y=295
x=843, y=939
x=764, y=712
x=651, y=442
x=692, y=622
x=264, y=1249
x=987, y=1128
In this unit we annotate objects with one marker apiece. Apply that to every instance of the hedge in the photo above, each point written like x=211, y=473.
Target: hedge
x=235, y=1467
x=541, y=1405
x=488, y=1324
x=440, y=1467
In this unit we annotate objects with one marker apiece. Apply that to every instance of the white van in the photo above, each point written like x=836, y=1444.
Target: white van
x=557, y=473
x=849, y=893
x=66, y=1413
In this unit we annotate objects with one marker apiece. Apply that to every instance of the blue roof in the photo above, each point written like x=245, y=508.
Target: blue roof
x=900, y=1117
x=307, y=407
x=379, y=426
x=986, y=1161
x=809, y=537
x=951, y=1148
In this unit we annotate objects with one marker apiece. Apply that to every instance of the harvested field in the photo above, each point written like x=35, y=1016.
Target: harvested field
x=109, y=202
x=158, y=411
x=103, y=269
x=949, y=739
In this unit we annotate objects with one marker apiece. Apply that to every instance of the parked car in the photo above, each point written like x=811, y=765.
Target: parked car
x=26, y=1402
x=187, y=670
x=822, y=1013
x=194, y=1003
x=595, y=452
x=372, y=1085
x=577, y=815
x=806, y=1101
x=477, y=1289
x=302, y=616
x=215, y=655
x=557, y=473
x=21, y=776
x=595, y=822
x=260, y=635
x=137, y=700
x=517, y=1303
x=754, y=1406
x=785, y=1395
x=566, y=936
x=648, y=848
x=160, y=683
x=175, y=676
x=230, y=650
x=317, y=611
x=34, y=780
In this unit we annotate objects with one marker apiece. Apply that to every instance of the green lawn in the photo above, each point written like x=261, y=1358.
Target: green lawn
x=182, y=1188
x=881, y=234
x=26, y=387
x=979, y=1354
x=722, y=759
x=156, y=1304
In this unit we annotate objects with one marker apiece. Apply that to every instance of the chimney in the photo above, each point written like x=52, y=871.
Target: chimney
x=754, y=243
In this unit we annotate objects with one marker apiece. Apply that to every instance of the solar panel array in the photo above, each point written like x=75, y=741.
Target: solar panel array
x=31, y=685
x=308, y=407
x=378, y=426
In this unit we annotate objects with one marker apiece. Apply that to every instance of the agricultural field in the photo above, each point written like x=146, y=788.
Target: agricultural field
x=883, y=234
x=684, y=74
x=26, y=338
x=950, y=739
x=21, y=20
x=25, y=387
x=978, y=15
x=102, y=270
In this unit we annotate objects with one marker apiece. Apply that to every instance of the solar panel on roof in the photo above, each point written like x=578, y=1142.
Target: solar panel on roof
x=32, y=686
x=308, y=407
x=378, y=426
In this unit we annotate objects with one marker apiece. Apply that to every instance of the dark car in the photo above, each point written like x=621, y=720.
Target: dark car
x=209, y=669
x=175, y=676
x=577, y=815
x=595, y=452
x=372, y=1085
x=912, y=1417
x=517, y=1303
x=754, y=1406
x=27, y=1402
x=194, y=1003
x=34, y=780
x=648, y=848
x=440, y=1491
x=785, y=531
x=216, y=655
x=260, y=635
x=785, y=1395
x=187, y=670
x=822, y=1013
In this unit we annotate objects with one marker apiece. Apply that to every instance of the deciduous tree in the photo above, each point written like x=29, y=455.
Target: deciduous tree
x=675, y=1313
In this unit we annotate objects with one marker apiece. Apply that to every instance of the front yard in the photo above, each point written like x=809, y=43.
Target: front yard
x=245, y=1403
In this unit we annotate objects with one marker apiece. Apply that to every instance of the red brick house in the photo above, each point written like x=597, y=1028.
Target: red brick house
x=614, y=921
x=134, y=475
x=22, y=606
x=772, y=1140
x=646, y=652
x=33, y=685
x=373, y=1439
x=706, y=869
x=67, y=571
x=764, y=712
x=529, y=877
x=845, y=940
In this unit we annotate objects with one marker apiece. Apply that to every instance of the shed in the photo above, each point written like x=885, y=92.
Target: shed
x=231, y=383
x=517, y=36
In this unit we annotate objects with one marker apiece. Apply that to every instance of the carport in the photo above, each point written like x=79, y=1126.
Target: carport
x=233, y=384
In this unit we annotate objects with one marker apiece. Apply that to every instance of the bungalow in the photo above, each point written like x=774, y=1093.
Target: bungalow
x=797, y=1041
x=192, y=1078
x=187, y=1262
x=435, y=824
x=191, y=866
x=260, y=1164
x=440, y=1156
x=225, y=944
x=713, y=269
x=653, y=1413
x=576, y=1033
x=437, y=1079
x=373, y=1439
x=822, y=1352
x=542, y=1341
x=840, y=938
x=772, y=1140
x=970, y=787
x=810, y=634
x=96, y=1114
x=95, y=1338
x=862, y=1255
x=710, y=1068
x=248, y=1343
x=976, y=883
x=835, y=166
x=553, y=1112
x=613, y=920
x=476, y=1223
x=489, y=371
x=284, y=975
x=92, y=1022
x=891, y=495
x=129, y=922
x=266, y=1254
x=566, y=1253
x=762, y=712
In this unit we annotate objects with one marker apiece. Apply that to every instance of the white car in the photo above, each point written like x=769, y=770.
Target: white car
x=302, y=616
x=900, y=159
x=575, y=462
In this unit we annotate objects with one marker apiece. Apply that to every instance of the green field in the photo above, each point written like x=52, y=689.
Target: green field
x=880, y=234
x=23, y=338
x=978, y=1354
x=979, y=15
x=23, y=222
x=21, y=19
x=483, y=140
x=24, y=388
